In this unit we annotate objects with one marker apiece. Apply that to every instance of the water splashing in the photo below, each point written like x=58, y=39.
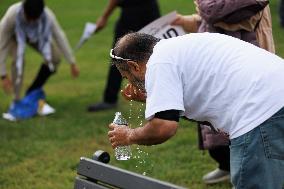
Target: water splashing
x=136, y=115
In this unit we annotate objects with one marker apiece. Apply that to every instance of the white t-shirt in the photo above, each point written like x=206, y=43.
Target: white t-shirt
x=234, y=85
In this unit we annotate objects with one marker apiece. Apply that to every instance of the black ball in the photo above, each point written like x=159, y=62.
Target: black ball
x=101, y=156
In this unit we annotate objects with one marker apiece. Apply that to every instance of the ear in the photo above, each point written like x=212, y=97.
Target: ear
x=134, y=66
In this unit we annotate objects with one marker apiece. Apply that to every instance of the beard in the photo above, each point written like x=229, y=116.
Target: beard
x=139, y=84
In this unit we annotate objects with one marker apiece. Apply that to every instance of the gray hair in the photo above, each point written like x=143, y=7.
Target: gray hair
x=135, y=46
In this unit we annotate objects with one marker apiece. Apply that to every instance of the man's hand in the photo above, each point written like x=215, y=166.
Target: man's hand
x=130, y=92
x=74, y=70
x=189, y=23
x=7, y=85
x=178, y=21
x=119, y=135
x=101, y=23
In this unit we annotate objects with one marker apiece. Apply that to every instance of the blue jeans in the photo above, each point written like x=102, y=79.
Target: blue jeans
x=257, y=157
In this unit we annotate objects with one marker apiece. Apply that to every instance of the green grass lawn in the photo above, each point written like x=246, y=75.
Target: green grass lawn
x=43, y=152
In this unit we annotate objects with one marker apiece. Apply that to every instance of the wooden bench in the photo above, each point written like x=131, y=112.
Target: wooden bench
x=93, y=174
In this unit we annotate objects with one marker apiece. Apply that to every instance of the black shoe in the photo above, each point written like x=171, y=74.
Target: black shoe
x=100, y=106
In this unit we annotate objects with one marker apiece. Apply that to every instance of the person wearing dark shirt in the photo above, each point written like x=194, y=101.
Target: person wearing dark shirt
x=135, y=14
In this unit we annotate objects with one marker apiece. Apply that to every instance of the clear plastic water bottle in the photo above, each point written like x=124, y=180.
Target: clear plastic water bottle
x=121, y=152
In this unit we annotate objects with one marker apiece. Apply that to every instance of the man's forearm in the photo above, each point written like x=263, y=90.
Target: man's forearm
x=154, y=132
x=109, y=9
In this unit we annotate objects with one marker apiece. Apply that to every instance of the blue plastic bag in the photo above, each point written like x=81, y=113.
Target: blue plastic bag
x=28, y=106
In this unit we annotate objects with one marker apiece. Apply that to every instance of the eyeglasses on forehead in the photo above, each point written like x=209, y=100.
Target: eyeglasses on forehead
x=117, y=57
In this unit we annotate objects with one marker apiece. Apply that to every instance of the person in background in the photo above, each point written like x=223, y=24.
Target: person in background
x=247, y=20
x=134, y=15
x=241, y=93
x=30, y=22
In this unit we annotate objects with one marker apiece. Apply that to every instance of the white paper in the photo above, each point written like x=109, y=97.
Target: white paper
x=89, y=29
x=162, y=28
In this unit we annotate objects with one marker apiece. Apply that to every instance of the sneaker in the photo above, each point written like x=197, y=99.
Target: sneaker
x=216, y=176
x=100, y=106
x=44, y=108
x=9, y=117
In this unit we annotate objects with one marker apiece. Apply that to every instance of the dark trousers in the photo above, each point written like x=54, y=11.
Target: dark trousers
x=281, y=12
x=221, y=154
x=131, y=19
x=113, y=85
x=43, y=74
x=114, y=78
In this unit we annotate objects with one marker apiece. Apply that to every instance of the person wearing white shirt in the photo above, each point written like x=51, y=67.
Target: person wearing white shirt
x=232, y=84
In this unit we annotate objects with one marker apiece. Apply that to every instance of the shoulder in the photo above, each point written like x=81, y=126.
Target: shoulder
x=171, y=46
x=50, y=14
x=176, y=40
x=9, y=19
x=13, y=9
